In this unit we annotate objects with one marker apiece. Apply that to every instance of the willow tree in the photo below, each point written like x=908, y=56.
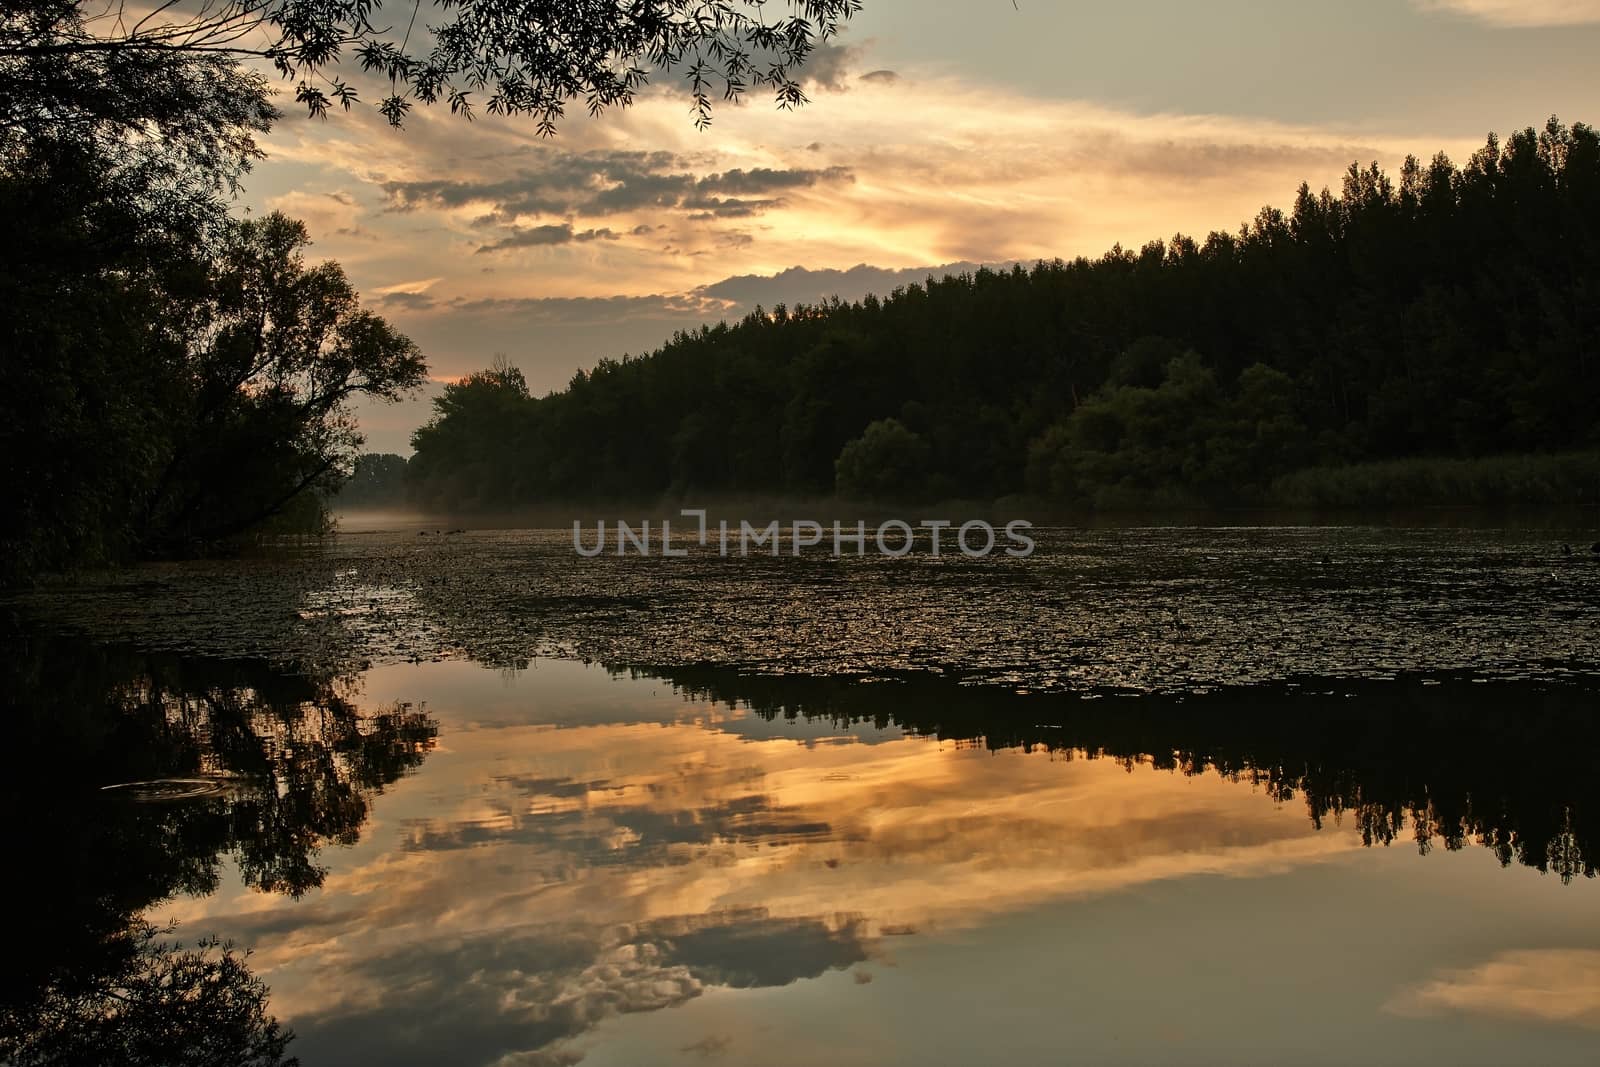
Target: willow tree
x=513, y=57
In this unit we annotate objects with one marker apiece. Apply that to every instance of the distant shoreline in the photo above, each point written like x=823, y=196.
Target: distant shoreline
x=1546, y=490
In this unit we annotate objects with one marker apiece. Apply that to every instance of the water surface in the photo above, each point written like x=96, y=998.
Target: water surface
x=1167, y=796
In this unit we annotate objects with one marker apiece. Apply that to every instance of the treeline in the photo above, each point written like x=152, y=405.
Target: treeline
x=1450, y=312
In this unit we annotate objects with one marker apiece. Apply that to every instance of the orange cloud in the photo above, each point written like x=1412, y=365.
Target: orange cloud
x=1520, y=13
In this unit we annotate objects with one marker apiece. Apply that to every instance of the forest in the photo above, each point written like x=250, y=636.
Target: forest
x=1430, y=337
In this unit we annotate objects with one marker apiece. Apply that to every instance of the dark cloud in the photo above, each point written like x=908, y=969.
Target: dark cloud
x=710, y=1046
x=532, y=237
x=635, y=191
x=828, y=66
x=579, y=184
x=882, y=77
x=535, y=236
x=756, y=952
x=761, y=180
x=406, y=301
x=553, y=187
x=731, y=208
x=653, y=833
x=748, y=187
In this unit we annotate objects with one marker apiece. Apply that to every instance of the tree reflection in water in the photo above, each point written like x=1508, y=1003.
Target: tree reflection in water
x=1514, y=767
x=287, y=763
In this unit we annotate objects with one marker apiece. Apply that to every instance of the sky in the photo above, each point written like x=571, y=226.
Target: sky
x=940, y=135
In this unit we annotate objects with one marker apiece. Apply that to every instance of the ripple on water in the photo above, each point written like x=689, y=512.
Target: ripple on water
x=1137, y=610
x=172, y=790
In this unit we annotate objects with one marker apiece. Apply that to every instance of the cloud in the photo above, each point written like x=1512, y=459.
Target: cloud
x=561, y=182
x=606, y=183
x=882, y=77
x=1555, y=985
x=405, y=301
x=767, y=179
x=406, y=296
x=800, y=285
x=534, y=236
x=1520, y=13
x=536, y=988
x=829, y=65
x=731, y=208
x=880, y=174
x=336, y=212
x=586, y=309
x=709, y=1047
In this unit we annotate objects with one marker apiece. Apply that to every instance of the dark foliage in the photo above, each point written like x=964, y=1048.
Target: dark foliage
x=1452, y=313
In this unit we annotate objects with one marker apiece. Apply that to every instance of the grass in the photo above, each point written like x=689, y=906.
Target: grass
x=1564, y=480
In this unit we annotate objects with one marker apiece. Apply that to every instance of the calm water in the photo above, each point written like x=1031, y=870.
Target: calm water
x=1231, y=796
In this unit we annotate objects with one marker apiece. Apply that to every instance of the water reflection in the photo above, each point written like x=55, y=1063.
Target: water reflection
x=274, y=768
x=582, y=852
x=1446, y=761
x=547, y=880
x=583, y=849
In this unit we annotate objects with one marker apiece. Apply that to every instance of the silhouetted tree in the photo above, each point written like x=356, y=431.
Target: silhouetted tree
x=529, y=57
x=260, y=409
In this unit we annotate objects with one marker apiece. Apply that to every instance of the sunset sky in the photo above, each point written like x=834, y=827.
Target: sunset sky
x=939, y=132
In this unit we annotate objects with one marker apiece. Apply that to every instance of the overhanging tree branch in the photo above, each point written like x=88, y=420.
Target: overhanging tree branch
x=523, y=57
